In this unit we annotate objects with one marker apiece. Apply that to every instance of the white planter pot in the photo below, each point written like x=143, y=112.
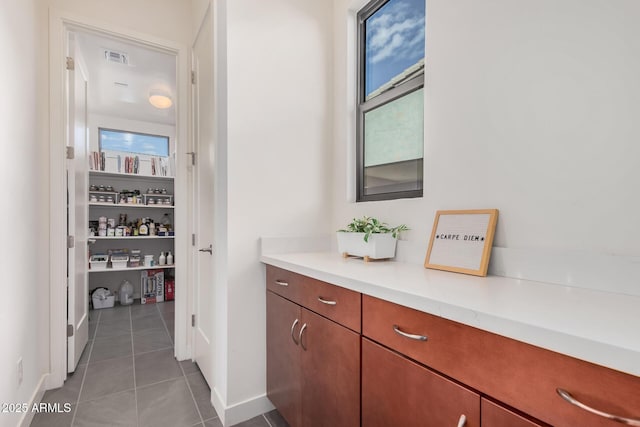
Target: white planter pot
x=379, y=246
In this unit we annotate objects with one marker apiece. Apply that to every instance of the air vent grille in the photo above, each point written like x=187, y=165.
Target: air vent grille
x=115, y=56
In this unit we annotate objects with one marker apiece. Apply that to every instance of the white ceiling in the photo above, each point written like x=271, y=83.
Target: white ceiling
x=123, y=90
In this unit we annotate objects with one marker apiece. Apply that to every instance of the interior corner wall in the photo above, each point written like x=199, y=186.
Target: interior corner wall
x=531, y=108
x=279, y=131
x=24, y=257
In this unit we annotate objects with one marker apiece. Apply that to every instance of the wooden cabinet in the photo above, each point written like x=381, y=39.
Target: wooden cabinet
x=313, y=363
x=398, y=392
x=411, y=368
x=495, y=415
x=520, y=375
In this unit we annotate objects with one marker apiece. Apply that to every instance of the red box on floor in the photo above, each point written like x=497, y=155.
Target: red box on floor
x=169, y=289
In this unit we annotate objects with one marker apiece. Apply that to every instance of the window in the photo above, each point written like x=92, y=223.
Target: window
x=390, y=136
x=133, y=142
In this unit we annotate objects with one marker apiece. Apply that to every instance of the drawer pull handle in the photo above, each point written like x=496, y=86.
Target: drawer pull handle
x=462, y=421
x=567, y=396
x=300, y=336
x=325, y=301
x=397, y=330
x=293, y=326
x=281, y=283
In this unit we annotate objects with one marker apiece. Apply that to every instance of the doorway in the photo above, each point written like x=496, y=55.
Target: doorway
x=122, y=71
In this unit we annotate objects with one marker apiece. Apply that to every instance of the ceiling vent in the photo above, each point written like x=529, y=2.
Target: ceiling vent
x=117, y=57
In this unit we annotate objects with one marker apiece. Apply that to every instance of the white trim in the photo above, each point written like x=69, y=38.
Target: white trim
x=59, y=24
x=242, y=411
x=37, y=396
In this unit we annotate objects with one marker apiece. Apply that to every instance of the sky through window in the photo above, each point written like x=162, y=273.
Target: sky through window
x=394, y=36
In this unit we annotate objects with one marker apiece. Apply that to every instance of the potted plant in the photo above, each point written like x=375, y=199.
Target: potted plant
x=369, y=238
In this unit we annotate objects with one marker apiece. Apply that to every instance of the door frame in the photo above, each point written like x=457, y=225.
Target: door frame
x=60, y=24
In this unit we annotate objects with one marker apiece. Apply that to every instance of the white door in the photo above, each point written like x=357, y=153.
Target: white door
x=77, y=212
x=203, y=199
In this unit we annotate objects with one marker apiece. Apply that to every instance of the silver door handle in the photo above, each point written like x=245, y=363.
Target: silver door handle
x=397, y=330
x=462, y=421
x=281, y=283
x=293, y=326
x=209, y=249
x=325, y=301
x=300, y=336
x=622, y=420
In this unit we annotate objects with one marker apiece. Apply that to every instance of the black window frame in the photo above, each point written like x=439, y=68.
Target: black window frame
x=168, y=138
x=363, y=106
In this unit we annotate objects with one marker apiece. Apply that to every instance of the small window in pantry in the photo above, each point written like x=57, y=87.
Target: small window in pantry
x=133, y=142
x=390, y=109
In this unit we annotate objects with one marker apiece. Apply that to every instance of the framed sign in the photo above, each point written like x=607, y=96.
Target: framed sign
x=461, y=241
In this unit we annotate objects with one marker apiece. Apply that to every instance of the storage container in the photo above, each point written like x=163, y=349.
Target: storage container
x=119, y=261
x=98, y=262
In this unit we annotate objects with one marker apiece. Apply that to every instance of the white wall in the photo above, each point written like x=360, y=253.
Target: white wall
x=531, y=108
x=279, y=132
x=24, y=174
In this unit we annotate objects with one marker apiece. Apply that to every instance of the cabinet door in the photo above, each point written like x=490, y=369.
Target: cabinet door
x=330, y=356
x=283, y=357
x=398, y=392
x=494, y=415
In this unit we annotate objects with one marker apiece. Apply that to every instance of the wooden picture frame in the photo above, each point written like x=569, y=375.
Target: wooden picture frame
x=461, y=241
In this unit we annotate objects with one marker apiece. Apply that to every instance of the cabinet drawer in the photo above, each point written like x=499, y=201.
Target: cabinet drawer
x=494, y=415
x=285, y=283
x=398, y=392
x=520, y=375
x=338, y=304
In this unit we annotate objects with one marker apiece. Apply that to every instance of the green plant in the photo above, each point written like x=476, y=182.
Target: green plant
x=368, y=225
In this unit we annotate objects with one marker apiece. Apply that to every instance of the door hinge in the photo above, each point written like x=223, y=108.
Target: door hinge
x=71, y=152
x=70, y=63
x=193, y=320
x=193, y=77
x=69, y=331
x=193, y=240
x=70, y=242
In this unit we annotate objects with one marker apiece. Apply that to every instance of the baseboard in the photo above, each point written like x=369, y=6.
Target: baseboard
x=242, y=411
x=36, y=397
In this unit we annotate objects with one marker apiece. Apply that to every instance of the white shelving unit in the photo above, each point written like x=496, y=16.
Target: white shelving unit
x=148, y=245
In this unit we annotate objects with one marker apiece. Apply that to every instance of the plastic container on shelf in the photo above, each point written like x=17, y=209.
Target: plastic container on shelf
x=98, y=262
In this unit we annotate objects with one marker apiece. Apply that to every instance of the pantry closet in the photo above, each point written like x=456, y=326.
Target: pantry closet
x=121, y=171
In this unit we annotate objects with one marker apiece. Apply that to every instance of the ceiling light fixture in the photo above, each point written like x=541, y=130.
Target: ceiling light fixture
x=160, y=100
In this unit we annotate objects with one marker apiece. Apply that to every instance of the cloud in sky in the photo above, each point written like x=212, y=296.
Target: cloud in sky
x=397, y=29
x=394, y=40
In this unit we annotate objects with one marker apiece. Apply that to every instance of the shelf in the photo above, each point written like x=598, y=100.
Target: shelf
x=129, y=237
x=129, y=205
x=129, y=175
x=144, y=267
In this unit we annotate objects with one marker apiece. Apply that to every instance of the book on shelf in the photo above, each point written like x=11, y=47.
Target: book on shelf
x=128, y=163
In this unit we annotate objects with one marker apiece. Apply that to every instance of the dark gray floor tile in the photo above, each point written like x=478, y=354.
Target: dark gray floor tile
x=92, y=329
x=70, y=390
x=113, y=328
x=166, y=307
x=53, y=419
x=110, y=348
x=152, y=321
x=189, y=367
x=119, y=312
x=84, y=358
x=167, y=404
x=215, y=422
x=258, y=421
x=202, y=395
x=110, y=411
x=108, y=377
x=156, y=366
x=151, y=340
x=170, y=326
x=275, y=419
x=142, y=310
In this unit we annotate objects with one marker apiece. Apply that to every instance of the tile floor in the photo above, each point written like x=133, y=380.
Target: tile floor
x=127, y=376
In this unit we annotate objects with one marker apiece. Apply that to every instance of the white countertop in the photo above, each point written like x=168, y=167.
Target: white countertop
x=599, y=327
